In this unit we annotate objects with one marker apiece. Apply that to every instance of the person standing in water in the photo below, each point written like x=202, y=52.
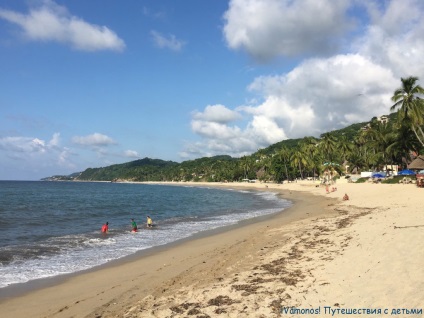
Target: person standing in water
x=133, y=226
x=105, y=228
x=149, y=221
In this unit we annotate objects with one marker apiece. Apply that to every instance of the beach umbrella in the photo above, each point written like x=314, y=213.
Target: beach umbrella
x=378, y=175
x=406, y=172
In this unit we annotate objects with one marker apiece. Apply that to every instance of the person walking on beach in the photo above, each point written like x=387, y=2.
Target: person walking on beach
x=149, y=221
x=133, y=226
x=105, y=228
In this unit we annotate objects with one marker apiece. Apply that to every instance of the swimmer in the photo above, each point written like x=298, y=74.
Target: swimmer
x=133, y=226
x=105, y=228
x=149, y=221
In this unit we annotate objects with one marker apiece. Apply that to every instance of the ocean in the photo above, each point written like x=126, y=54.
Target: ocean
x=53, y=228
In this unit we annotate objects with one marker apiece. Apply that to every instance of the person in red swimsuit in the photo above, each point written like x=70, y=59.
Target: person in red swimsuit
x=105, y=227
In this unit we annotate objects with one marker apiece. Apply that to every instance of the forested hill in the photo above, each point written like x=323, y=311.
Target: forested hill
x=349, y=132
x=140, y=170
x=287, y=159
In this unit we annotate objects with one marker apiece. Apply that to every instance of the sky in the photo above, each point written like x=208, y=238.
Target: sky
x=86, y=84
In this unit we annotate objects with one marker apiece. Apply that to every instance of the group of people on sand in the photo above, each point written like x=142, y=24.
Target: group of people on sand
x=327, y=189
x=149, y=224
x=333, y=189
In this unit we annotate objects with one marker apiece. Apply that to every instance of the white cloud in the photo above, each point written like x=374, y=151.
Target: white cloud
x=395, y=17
x=322, y=94
x=217, y=113
x=170, y=42
x=211, y=147
x=394, y=39
x=318, y=94
x=264, y=131
x=52, y=22
x=97, y=144
x=131, y=154
x=219, y=137
x=54, y=142
x=159, y=15
x=215, y=130
x=63, y=156
x=270, y=28
x=26, y=145
x=34, y=154
x=94, y=140
x=213, y=126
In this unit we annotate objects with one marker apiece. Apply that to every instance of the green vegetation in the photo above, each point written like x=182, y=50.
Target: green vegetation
x=374, y=145
x=139, y=170
x=397, y=179
x=362, y=180
x=410, y=106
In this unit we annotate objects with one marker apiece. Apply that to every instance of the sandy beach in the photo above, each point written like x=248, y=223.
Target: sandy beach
x=323, y=257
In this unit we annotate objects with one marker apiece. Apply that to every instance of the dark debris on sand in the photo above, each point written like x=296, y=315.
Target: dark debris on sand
x=221, y=301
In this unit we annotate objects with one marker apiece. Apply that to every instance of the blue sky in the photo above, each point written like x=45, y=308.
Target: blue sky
x=93, y=83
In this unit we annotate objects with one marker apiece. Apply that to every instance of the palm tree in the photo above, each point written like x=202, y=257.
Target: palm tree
x=345, y=146
x=262, y=163
x=356, y=161
x=383, y=138
x=404, y=142
x=246, y=164
x=283, y=156
x=261, y=154
x=266, y=166
x=298, y=159
x=410, y=106
x=328, y=146
x=309, y=146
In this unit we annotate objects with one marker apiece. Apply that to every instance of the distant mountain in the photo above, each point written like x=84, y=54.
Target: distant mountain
x=138, y=170
x=70, y=177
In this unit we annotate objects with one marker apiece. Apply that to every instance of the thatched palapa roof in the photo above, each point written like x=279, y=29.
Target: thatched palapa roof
x=417, y=164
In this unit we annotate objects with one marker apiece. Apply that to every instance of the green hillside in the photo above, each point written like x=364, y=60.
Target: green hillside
x=139, y=170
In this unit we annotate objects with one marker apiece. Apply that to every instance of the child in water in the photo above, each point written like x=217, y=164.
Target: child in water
x=105, y=228
x=133, y=226
x=149, y=221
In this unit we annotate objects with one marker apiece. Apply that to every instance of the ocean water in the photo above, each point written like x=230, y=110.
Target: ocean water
x=53, y=228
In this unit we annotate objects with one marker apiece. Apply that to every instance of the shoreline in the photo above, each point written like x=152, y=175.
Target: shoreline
x=296, y=259
x=20, y=289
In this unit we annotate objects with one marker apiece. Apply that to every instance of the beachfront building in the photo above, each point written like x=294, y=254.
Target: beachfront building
x=382, y=119
x=391, y=169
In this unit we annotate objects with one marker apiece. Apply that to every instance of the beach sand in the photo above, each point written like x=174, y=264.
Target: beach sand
x=323, y=255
